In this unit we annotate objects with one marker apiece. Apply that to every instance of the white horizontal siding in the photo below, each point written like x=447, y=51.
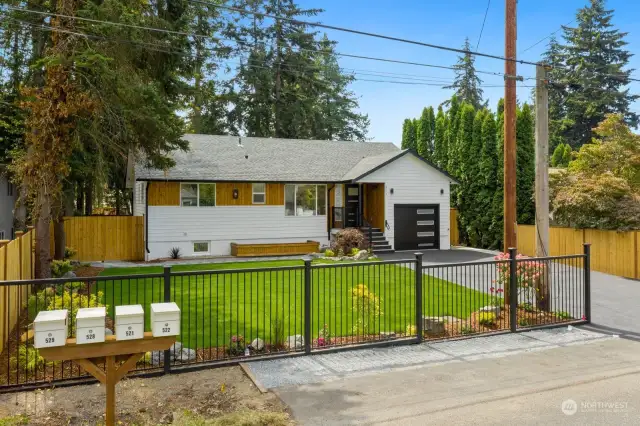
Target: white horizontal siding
x=181, y=226
x=139, y=193
x=413, y=182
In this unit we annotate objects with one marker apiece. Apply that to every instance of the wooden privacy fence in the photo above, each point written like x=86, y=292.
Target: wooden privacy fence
x=102, y=238
x=16, y=263
x=612, y=252
x=454, y=232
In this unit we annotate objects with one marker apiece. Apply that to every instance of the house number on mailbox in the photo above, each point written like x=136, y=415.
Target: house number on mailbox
x=91, y=335
x=166, y=328
x=49, y=339
x=129, y=332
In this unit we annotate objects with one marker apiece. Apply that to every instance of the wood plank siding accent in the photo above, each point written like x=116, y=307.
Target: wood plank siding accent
x=168, y=194
x=248, y=250
x=164, y=193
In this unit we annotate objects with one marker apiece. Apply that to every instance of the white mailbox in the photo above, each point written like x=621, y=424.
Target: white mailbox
x=165, y=319
x=90, y=325
x=50, y=328
x=129, y=322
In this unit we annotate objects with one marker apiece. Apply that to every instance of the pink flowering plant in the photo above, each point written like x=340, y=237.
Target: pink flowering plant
x=236, y=346
x=496, y=298
x=528, y=274
x=324, y=336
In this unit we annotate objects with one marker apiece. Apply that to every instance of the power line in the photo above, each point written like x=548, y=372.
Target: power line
x=346, y=55
x=548, y=37
x=363, y=33
x=483, y=22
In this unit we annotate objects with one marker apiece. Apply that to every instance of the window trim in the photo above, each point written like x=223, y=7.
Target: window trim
x=215, y=204
x=200, y=253
x=295, y=199
x=254, y=193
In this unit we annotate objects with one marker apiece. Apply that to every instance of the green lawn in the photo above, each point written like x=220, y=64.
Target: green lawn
x=219, y=305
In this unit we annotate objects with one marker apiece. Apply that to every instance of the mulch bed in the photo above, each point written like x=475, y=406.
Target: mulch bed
x=87, y=271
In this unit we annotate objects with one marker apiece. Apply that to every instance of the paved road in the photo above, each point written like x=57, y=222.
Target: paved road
x=601, y=377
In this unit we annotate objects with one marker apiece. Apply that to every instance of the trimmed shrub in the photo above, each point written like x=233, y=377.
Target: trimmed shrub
x=347, y=240
x=329, y=253
x=487, y=319
x=60, y=267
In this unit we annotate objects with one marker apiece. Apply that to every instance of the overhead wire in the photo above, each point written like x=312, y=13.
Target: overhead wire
x=486, y=12
x=337, y=53
x=363, y=33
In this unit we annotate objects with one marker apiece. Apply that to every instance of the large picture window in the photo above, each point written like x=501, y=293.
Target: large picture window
x=305, y=200
x=197, y=194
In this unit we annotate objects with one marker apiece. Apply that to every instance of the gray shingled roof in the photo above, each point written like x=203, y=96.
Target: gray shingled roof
x=221, y=158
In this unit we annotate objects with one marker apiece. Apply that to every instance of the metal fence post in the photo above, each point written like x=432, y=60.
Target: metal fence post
x=513, y=289
x=167, y=298
x=587, y=281
x=419, y=321
x=307, y=306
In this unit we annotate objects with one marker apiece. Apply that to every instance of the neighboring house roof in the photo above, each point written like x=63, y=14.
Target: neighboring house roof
x=223, y=158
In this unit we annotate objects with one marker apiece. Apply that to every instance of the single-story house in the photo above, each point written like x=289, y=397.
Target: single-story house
x=246, y=190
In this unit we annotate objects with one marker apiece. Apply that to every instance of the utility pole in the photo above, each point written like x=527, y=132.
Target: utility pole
x=542, y=162
x=542, y=183
x=510, y=236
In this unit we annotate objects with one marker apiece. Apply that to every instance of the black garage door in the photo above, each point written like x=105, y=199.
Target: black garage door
x=417, y=226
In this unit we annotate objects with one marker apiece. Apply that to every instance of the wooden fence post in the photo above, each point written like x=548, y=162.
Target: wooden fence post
x=32, y=249
x=19, y=235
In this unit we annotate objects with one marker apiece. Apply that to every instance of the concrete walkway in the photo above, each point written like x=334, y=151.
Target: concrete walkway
x=356, y=363
x=594, y=383
x=198, y=261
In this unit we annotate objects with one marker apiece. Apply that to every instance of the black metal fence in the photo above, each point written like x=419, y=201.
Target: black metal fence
x=231, y=315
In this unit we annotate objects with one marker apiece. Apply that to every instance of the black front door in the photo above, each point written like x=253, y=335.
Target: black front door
x=416, y=226
x=352, y=207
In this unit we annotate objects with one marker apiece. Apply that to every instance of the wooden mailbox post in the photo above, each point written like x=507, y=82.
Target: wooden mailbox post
x=111, y=352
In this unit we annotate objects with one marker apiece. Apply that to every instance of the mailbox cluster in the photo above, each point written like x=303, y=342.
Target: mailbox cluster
x=51, y=327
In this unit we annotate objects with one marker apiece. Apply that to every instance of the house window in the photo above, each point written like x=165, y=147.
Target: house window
x=1, y=235
x=305, y=200
x=259, y=193
x=197, y=194
x=201, y=247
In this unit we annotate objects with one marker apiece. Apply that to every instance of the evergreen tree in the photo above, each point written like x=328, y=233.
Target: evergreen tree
x=474, y=182
x=336, y=115
x=424, y=133
x=557, y=156
x=525, y=166
x=595, y=75
x=467, y=83
x=463, y=172
x=488, y=180
x=496, y=230
x=553, y=57
x=567, y=155
x=440, y=141
x=452, y=140
x=408, y=135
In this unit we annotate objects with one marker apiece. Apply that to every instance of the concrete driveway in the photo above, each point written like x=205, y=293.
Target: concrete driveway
x=594, y=383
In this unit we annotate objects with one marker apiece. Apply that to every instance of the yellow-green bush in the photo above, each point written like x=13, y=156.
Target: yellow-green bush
x=487, y=318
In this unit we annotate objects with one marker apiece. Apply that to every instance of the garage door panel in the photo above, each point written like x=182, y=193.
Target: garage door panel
x=416, y=226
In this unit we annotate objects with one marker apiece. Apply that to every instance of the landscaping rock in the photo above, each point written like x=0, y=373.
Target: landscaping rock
x=433, y=325
x=387, y=335
x=295, y=342
x=176, y=353
x=69, y=274
x=257, y=344
x=495, y=310
x=108, y=332
x=361, y=255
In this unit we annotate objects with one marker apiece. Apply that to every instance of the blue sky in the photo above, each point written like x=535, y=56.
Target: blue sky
x=445, y=22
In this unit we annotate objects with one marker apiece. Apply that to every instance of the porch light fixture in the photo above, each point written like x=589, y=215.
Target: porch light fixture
x=391, y=191
x=236, y=193
x=441, y=191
